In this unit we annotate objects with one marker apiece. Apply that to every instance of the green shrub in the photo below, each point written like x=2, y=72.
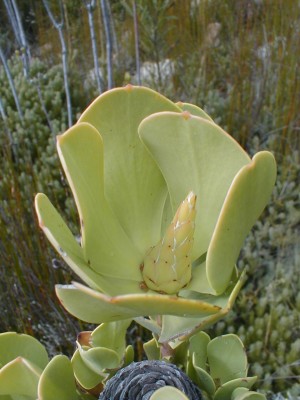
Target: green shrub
x=30, y=164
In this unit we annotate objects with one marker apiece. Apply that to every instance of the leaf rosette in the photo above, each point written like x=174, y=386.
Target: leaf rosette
x=132, y=161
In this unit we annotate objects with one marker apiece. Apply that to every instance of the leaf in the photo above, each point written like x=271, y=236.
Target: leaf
x=19, y=377
x=227, y=389
x=168, y=392
x=198, y=349
x=128, y=356
x=227, y=358
x=245, y=394
x=111, y=336
x=152, y=350
x=247, y=197
x=98, y=359
x=57, y=380
x=63, y=241
x=201, y=378
x=209, y=159
x=86, y=377
x=134, y=186
x=13, y=345
x=107, y=249
x=95, y=307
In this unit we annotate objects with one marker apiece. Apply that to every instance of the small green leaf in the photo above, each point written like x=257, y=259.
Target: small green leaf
x=129, y=355
x=198, y=349
x=87, y=378
x=98, y=359
x=19, y=377
x=227, y=358
x=111, y=336
x=226, y=390
x=201, y=378
x=245, y=394
x=57, y=380
x=13, y=345
x=168, y=393
x=152, y=349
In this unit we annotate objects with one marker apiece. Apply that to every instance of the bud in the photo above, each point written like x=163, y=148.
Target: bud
x=167, y=266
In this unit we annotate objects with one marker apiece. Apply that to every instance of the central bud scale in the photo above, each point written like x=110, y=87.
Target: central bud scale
x=167, y=266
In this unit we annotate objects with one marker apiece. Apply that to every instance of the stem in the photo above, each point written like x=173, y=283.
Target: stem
x=59, y=27
x=107, y=29
x=90, y=9
x=16, y=23
x=136, y=42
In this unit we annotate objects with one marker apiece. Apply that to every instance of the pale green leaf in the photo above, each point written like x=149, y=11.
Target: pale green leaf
x=13, y=345
x=227, y=358
x=226, y=390
x=152, y=350
x=107, y=249
x=149, y=324
x=98, y=359
x=95, y=307
x=194, y=154
x=201, y=377
x=111, y=335
x=19, y=377
x=128, y=356
x=64, y=241
x=247, y=197
x=86, y=377
x=245, y=394
x=57, y=381
x=168, y=393
x=134, y=186
x=199, y=281
x=198, y=349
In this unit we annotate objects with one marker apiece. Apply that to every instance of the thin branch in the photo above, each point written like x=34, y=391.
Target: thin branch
x=59, y=25
x=109, y=48
x=24, y=42
x=17, y=26
x=13, y=22
x=11, y=84
x=90, y=7
x=136, y=42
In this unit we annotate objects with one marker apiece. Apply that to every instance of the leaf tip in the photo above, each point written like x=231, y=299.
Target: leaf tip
x=186, y=115
x=128, y=87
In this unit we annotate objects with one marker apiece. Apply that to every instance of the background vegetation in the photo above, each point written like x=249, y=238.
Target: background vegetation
x=238, y=59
